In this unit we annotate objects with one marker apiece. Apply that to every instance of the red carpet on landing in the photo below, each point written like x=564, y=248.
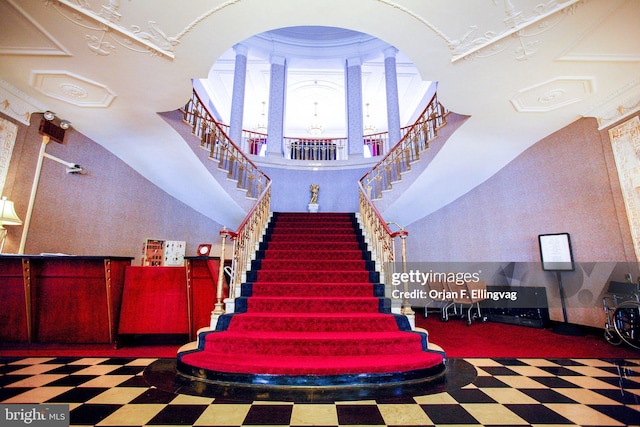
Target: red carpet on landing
x=312, y=306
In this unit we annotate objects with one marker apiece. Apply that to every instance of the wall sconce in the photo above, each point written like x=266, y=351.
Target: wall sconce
x=8, y=216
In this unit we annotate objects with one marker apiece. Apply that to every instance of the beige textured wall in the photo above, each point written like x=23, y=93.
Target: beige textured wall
x=109, y=211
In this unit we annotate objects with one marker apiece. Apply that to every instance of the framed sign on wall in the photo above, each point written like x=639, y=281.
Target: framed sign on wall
x=555, y=252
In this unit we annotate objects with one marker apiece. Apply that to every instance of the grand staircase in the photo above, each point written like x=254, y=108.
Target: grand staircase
x=312, y=313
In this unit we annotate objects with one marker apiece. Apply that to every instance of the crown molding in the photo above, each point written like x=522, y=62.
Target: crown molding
x=618, y=106
x=17, y=104
x=155, y=41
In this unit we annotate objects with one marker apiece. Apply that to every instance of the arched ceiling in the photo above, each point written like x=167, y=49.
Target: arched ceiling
x=521, y=69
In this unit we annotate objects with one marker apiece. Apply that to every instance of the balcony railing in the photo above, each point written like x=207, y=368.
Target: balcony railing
x=255, y=143
x=408, y=150
x=315, y=148
x=221, y=149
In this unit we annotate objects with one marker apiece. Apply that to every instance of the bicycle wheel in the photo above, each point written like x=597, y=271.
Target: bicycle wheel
x=626, y=320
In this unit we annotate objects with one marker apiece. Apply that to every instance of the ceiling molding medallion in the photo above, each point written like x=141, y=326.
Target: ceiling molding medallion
x=518, y=29
x=73, y=89
x=16, y=104
x=553, y=94
x=620, y=105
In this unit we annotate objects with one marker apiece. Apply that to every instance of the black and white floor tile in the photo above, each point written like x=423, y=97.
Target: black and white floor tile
x=504, y=392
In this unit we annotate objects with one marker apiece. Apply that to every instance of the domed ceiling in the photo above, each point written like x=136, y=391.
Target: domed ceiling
x=316, y=60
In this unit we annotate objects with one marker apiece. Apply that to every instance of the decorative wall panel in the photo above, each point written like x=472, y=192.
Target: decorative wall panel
x=8, y=132
x=625, y=141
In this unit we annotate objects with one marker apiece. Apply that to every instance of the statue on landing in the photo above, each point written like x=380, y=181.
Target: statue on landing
x=314, y=188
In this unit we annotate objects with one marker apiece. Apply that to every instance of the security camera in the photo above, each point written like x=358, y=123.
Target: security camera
x=76, y=170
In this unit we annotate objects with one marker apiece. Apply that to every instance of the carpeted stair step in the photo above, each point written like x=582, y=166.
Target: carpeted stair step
x=314, y=276
x=312, y=254
x=311, y=223
x=329, y=238
x=289, y=304
x=321, y=344
x=318, y=216
x=298, y=247
x=332, y=229
x=279, y=289
x=312, y=365
x=316, y=264
x=313, y=322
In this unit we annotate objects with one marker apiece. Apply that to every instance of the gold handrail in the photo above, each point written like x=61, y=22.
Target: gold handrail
x=221, y=149
x=246, y=240
x=414, y=142
x=257, y=184
x=381, y=242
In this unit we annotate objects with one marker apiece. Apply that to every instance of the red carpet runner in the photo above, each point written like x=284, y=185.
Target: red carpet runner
x=312, y=312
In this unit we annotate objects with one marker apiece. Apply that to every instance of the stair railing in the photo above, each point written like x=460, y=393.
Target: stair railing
x=221, y=149
x=408, y=150
x=246, y=240
x=381, y=241
x=257, y=184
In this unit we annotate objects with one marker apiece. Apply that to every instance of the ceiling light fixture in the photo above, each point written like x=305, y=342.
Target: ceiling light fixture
x=49, y=115
x=262, y=124
x=369, y=127
x=315, y=128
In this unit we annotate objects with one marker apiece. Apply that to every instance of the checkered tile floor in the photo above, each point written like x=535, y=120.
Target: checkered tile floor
x=515, y=392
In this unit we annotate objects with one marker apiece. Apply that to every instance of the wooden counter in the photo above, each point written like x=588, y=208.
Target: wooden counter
x=169, y=300
x=65, y=299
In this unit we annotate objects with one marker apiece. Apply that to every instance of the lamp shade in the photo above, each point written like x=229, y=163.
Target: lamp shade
x=8, y=214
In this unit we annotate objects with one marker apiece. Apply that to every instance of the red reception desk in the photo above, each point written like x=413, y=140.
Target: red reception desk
x=169, y=300
x=92, y=299
x=64, y=299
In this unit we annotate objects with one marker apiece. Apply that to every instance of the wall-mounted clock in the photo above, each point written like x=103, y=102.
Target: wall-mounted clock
x=204, y=249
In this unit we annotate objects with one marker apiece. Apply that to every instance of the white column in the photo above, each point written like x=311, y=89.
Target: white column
x=353, y=84
x=237, y=98
x=277, y=104
x=393, y=105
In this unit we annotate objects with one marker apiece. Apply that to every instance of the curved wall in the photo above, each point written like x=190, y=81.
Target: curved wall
x=110, y=211
x=338, y=189
x=566, y=182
